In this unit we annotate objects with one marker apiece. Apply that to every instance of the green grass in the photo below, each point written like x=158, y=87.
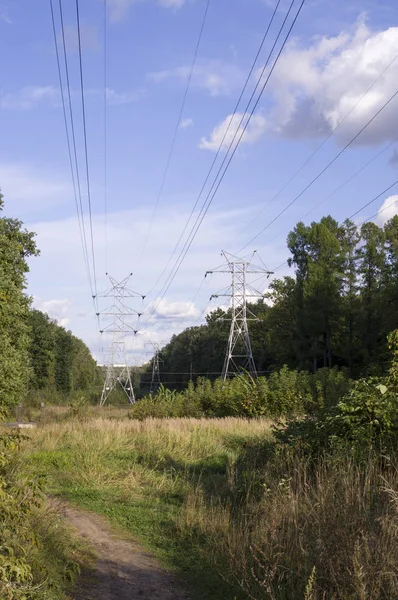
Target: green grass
x=236, y=516
x=140, y=476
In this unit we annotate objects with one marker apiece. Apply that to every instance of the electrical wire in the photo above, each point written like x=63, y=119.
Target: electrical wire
x=374, y=199
x=205, y=207
x=339, y=188
x=248, y=78
x=330, y=163
x=326, y=139
x=79, y=217
x=177, y=127
x=106, y=133
x=85, y=144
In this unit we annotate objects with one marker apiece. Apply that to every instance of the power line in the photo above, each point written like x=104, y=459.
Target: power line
x=205, y=208
x=85, y=143
x=177, y=127
x=340, y=187
x=381, y=210
x=79, y=218
x=106, y=134
x=322, y=171
x=248, y=78
x=325, y=140
x=387, y=189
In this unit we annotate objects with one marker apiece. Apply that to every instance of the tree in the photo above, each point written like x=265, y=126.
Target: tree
x=16, y=245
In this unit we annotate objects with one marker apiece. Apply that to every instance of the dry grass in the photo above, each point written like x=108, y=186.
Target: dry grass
x=275, y=526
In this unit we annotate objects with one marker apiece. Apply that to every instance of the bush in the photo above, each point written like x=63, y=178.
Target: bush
x=285, y=393
x=36, y=547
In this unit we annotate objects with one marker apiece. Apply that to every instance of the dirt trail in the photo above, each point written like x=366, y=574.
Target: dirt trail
x=123, y=570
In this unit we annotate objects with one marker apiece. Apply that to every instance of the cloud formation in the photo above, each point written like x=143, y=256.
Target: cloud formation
x=120, y=8
x=34, y=96
x=314, y=87
x=387, y=210
x=215, y=77
x=29, y=97
x=186, y=123
x=27, y=190
x=56, y=309
x=223, y=134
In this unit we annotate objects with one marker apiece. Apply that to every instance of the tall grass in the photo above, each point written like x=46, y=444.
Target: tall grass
x=215, y=498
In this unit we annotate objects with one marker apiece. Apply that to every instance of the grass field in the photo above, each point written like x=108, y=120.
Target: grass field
x=212, y=499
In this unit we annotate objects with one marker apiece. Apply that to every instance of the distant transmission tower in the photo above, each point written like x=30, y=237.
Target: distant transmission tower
x=155, y=380
x=118, y=371
x=239, y=355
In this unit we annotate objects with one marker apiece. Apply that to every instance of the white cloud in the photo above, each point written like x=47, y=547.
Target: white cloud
x=166, y=309
x=116, y=98
x=216, y=77
x=172, y=3
x=185, y=123
x=120, y=8
x=27, y=189
x=314, y=87
x=56, y=309
x=223, y=134
x=387, y=210
x=34, y=96
x=28, y=97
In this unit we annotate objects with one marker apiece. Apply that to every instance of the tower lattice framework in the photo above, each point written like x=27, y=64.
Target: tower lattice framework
x=156, y=360
x=118, y=370
x=239, y=354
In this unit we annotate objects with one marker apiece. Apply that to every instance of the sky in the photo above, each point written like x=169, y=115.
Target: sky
x=338, y=69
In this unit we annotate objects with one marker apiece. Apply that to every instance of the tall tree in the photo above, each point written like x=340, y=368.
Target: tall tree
x=16, y=245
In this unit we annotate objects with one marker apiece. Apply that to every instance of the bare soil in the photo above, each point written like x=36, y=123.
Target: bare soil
x=123, y=570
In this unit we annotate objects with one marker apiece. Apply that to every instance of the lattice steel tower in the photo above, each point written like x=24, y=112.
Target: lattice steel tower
x=155, y=380
x=118, y=370
x=239, y=355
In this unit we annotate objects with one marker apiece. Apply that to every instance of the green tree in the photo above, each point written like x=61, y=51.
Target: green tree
x=16, y=245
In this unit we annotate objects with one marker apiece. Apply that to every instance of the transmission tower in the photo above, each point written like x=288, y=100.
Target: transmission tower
x=155, y=380
x=118, y=370
x=239, y=355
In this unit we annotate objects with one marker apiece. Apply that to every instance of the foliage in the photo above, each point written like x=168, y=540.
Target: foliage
x=61, y=363
x=239, y=516
x=336, y=311
x=16, y=245
x=366, y=416
x=286, y=392
x=36, y=548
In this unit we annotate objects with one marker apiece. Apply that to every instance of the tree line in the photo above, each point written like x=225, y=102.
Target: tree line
x=37, y=356
x=337, y=309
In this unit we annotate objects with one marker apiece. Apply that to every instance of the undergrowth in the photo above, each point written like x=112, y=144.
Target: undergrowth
x=39, y=557
x=239, y=515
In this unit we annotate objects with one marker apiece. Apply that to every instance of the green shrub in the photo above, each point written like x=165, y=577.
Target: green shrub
x=36, y=548
x=284, y=393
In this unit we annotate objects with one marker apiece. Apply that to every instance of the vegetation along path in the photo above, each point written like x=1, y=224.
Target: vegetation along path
x=123, y=570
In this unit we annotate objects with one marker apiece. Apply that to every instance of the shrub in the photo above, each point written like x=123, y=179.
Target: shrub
x=36, y=547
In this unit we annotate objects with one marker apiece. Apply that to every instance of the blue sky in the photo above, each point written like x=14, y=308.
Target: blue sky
x=336, y=53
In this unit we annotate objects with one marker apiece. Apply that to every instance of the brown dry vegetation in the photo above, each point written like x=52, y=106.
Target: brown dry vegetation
x=213, y=496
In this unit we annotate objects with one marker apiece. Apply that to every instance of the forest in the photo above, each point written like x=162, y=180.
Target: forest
x=336, y=310
x=39, y=360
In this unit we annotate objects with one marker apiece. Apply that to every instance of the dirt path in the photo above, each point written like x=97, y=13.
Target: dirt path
x=123, y=570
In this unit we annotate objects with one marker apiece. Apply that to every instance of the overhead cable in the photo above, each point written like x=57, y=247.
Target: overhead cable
x=330, y=163
x=209, y=197
x=176, y=129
